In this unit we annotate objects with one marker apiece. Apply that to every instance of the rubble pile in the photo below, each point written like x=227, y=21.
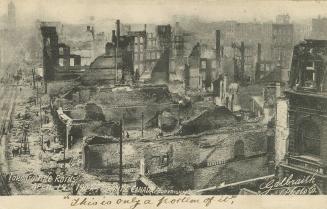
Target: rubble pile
x=78, y=112
x=93, y=112
x=101, y=128
x=207, y=120
x=59, y=88
x=167, y=121
x=140, y=96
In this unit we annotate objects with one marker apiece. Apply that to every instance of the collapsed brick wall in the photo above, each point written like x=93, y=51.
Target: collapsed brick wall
x=187, y=150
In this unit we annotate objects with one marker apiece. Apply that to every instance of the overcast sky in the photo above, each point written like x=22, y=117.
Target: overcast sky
x=159, y=11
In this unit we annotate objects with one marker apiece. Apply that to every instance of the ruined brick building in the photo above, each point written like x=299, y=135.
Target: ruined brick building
x=140, y=46
x=116, y=64
x=307, y=141
x=203, y=66
x=126, y=57
x=58, y=62
x=276, y=42
x=161, y=71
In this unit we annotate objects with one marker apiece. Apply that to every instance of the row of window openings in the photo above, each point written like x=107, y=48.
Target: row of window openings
x=141, y=66
x=161, y=160
x=141, y=47
x=148, y=56
x=204, y=64
x=71, y=62
x=247, y=59
x=283, y=32
x=150, y=42
x=140, y=40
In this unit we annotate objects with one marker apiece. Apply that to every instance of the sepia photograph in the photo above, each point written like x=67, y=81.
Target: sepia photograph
x=163, y=99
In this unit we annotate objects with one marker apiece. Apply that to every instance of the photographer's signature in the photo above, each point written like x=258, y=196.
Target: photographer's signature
x=290, y=186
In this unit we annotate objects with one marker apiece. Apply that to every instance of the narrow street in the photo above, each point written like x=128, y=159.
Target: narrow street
x=8, y=95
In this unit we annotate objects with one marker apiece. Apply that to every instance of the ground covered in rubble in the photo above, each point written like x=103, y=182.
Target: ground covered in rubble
x=30, y=171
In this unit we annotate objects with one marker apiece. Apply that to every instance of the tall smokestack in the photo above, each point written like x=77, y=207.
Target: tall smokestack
x=258, y=64
x=118, y=29
x=117, y=43
x=145, y=27
x=242, y=60
x=259, y=52
x=218, y=46
x=113, y=37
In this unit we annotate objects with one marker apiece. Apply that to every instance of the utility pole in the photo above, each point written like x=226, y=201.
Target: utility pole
x=258, y=64
x=42, y=142
x=142, y=123
x=242, y=49
x=33, y=74
x=64, y=156
x=37, y=93
x=24, y=144
x=178, y=115
x=45, y=85
x=66, y=142
x=116, y=65
x=218, y=49
x=117, y=46
x=40, y=101
x=179, y=109
x=121, y=157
